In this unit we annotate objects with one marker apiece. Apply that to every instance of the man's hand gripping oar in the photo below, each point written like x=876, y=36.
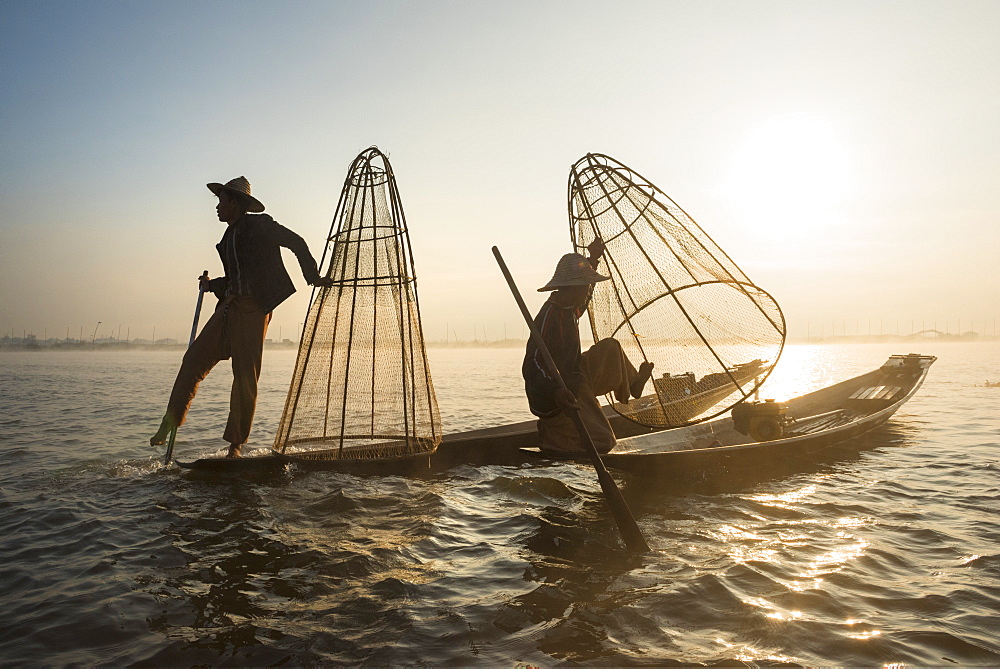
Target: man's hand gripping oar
x=158, y=439
x=631, y=534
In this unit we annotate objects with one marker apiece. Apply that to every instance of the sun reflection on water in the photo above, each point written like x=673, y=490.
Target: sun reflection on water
x=727, y=532
x=853, y=522
x=774, y=612
x=802, y=369
x=785, y=500
x=806, y=549
x=835, y=560
x=865, y=635
x=748, y=653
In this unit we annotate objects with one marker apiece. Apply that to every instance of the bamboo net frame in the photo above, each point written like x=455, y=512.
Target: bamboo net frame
x=675, y=298
x=362, y=386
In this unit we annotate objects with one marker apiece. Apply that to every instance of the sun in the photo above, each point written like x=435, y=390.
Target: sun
x=788, y=175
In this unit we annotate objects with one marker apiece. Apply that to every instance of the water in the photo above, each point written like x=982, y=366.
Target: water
x=887, y=553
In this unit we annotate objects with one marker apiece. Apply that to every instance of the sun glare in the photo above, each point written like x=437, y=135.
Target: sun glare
x=788, y=175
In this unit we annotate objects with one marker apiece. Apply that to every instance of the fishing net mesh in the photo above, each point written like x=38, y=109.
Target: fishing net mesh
x=674, y=299
x=362, y=386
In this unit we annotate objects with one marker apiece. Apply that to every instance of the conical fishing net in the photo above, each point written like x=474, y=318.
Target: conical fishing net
x=674, y=299
x=362, y=386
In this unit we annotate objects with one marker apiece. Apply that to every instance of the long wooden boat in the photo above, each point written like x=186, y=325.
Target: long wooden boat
x=812, y=422
x=499, y=445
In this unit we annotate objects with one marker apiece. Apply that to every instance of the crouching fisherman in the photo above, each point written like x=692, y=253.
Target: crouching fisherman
x=602, y=369
x=255, y=282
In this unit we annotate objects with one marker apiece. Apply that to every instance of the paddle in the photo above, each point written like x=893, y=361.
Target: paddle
x=631, y=534
x=194, y=331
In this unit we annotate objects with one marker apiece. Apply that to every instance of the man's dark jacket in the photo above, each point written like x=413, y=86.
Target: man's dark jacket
x=259, y=239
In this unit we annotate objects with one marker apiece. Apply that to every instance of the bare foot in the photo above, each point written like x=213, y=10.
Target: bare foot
x=235, y=451
x=160, y=438
x=645, y=371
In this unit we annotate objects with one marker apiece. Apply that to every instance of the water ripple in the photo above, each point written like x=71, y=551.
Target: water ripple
x=884, y=553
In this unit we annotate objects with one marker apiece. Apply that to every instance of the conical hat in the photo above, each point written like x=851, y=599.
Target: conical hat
x=573, y=270
x=240, y=187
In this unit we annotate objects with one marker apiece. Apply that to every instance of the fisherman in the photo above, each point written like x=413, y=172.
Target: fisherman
x=602, y=369
x=255, y=282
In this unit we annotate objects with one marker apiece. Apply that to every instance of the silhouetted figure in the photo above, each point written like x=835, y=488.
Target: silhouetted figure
x=602, y=369
x=255, y=282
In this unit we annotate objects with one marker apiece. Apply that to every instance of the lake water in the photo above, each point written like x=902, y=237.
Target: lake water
x=886, y=553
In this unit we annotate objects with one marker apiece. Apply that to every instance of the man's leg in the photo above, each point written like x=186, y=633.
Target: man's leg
x=249, y=325
x=608, y=370
x=203, y=354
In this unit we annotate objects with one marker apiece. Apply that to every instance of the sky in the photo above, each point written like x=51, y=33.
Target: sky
x=846, y=155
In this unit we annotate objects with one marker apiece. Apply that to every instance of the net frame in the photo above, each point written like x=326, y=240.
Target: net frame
x=368, y=224
x=657, y=213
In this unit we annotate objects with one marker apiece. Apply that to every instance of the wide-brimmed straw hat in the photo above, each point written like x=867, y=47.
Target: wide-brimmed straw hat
x=573, y=270
x=241, y=187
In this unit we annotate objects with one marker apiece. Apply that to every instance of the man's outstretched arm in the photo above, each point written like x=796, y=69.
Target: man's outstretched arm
x=294, y=243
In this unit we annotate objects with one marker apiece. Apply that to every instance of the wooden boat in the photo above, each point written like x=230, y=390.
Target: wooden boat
x=807, y=425
x=810, y=423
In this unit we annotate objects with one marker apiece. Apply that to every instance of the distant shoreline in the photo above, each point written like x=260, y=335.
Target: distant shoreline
x=30, y=344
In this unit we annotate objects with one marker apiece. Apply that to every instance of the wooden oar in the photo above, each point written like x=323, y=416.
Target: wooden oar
x=629, y=529
x=194, y=331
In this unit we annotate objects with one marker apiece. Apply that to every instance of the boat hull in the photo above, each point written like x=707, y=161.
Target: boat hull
x=693, y=451
x=717, y=446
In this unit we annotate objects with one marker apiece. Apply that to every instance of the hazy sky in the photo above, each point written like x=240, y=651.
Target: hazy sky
x=845, y=154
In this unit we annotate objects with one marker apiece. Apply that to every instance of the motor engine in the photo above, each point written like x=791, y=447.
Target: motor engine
x=764, y=421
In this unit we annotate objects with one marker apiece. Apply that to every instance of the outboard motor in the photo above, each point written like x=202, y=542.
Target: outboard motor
x=764, y=421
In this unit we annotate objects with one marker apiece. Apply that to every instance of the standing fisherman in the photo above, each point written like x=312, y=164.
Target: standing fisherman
x=255, y=282
x=602, y=369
